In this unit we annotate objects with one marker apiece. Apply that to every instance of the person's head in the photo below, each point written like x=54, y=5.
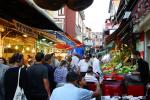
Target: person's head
x=72, y=77
x=99, y=57
x=90, y=70
x=63, y=63
x=3, y=60
x=81, y=81
x=93, y=55
x=87, y=58
x=39, y=57
x=17, y=58
x=47, y=58
x=137, y=54
x=53, y=54
x=69, y=58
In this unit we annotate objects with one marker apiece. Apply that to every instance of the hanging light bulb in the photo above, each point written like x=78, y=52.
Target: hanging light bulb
x=33, y=50
x=27, y=48
x=16, y=47
x=23, y=51
x=38, y=46
x=9, y=46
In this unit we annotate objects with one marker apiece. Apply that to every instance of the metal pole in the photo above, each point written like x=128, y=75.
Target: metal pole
x=1, y=45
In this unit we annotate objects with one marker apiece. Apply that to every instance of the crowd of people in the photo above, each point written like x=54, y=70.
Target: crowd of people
x=46, y=78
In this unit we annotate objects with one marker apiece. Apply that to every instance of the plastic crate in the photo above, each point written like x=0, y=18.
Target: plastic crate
x=112, y=88
x=135, y=90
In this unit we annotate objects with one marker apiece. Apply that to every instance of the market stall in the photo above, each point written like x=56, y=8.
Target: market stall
x=17, y=37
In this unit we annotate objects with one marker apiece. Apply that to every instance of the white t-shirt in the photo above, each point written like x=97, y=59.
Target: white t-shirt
x=75, y=60
x=96, y=65
x=83, y=65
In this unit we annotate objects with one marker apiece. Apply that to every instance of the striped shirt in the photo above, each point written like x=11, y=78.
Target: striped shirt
x=90, y=78
x=60, y=74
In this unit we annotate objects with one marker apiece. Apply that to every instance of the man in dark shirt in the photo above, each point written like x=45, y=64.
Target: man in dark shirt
x=50, y=71
x=143, y=68
x=38, y=79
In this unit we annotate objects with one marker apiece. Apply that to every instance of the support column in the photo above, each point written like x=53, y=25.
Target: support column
x=1, y=40
x=1, y=45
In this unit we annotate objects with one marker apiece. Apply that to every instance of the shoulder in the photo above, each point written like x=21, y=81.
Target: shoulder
x=84, y=93
x=58, y=89
x=42, y=67
x=13, y=69
x=3, y=67
x=81, y=60
x=144, y=62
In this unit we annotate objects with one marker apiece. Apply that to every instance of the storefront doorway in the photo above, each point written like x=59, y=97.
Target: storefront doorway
x=148, y=47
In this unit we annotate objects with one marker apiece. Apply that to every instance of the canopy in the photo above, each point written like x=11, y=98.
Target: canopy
x=27, y=13
x=63, y=46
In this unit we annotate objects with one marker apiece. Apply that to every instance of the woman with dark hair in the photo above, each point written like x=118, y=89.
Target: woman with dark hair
x=61, y=73
x=11, y=76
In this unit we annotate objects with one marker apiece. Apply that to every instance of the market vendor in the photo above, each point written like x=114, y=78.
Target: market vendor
x=142, y=70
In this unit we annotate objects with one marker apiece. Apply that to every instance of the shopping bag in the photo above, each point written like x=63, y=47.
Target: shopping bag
x=19, y=93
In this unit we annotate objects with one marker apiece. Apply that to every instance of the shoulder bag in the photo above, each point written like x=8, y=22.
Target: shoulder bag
x=19, y=94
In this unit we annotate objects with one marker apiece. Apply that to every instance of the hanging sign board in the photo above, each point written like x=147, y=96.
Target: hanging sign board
x=26, y=29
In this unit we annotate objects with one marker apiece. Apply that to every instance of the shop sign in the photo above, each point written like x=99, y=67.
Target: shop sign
x=6, y=23
x=141, y=9
x=26, y=29
x=63, y=38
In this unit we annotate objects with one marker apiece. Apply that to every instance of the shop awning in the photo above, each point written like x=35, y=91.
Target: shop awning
x=125, y=5
x=77, y=42
x=26, y=13
x=65, y=39
x=63, y=46
x=119, y=33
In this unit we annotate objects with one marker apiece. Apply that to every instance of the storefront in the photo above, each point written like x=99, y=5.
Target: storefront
x=141, y=18
x=17, y=38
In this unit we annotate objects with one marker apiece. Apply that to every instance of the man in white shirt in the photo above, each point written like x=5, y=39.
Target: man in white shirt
x=74, y=62
x=96, y=65
x=70, y=92
x=83, y=65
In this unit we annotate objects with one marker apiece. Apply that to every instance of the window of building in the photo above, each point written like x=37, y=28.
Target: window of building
x=61, y=11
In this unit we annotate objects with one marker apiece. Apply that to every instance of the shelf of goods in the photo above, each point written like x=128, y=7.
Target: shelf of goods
x=120, y=63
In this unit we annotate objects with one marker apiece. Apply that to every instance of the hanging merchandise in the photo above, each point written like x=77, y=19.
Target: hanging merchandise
x=50, y=4
x=79, y=5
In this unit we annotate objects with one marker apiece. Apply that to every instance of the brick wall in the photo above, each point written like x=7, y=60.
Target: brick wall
x=70, y=21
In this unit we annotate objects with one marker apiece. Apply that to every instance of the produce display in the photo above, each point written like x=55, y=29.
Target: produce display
x=120, y=63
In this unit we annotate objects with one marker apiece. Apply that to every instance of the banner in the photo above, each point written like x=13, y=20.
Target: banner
x=63, y=38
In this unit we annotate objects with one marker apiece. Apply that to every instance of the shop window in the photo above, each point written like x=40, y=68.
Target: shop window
x=61, y=11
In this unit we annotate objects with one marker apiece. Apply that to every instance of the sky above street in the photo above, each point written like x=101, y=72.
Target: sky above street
x=96, y=14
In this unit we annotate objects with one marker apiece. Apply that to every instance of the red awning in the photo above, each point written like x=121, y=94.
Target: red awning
x=63, y=46
x=77, y=42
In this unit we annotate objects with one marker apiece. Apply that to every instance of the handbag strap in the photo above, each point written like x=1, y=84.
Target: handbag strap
x=18, y=77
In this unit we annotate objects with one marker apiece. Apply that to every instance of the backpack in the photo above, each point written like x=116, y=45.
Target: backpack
x=19, y=94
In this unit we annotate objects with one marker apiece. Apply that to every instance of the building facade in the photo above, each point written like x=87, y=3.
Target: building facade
x=70, y=21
